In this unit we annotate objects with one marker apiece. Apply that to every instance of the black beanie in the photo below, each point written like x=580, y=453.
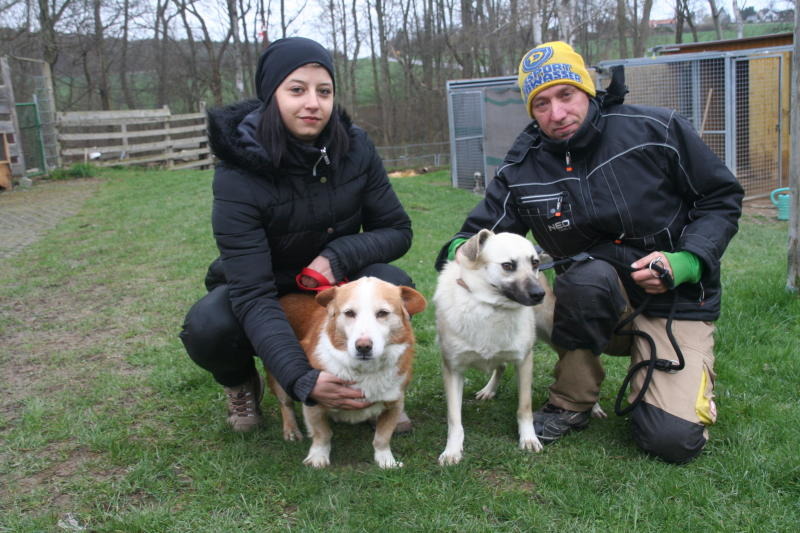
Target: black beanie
x=283, y=57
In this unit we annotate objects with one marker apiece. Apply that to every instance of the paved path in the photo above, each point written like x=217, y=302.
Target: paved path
x=27, y=214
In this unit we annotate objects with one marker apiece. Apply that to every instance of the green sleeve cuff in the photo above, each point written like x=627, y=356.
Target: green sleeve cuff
x=686, y=267
x=454, y=244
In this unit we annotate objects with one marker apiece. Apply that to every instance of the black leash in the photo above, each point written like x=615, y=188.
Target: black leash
x=653, y=363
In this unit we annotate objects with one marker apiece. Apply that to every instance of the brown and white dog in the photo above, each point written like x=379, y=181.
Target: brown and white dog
x=360, y=332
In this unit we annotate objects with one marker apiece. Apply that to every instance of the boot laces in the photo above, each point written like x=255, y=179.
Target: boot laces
x=242, y=401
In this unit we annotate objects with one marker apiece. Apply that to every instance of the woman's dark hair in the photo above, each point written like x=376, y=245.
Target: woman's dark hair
x=273, y=135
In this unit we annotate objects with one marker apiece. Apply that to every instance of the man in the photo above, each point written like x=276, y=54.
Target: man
x=637, y=190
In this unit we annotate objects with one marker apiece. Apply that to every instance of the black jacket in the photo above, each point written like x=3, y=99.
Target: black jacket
x=271, y=222
x=632, y=180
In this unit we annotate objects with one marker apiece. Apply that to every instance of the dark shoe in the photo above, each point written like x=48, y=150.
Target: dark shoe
x=551, y=422
x=244, y=409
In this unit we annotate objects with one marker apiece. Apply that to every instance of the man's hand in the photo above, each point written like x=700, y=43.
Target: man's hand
x=321, y=265
x=646, y=275
x=334, y=392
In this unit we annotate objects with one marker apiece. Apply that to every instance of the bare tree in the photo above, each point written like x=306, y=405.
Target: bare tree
x=161, y=38
x=233, y=22
x=622, y=28
x=49, y=15
x=684, y=15
x=127, y=94
x=715, y=14
x=565, y=29
x=103, y=89
x=642, y=28
x=737, y=17
x=215, y=48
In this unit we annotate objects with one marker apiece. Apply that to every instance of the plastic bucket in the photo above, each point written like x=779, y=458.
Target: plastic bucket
x=782, y=198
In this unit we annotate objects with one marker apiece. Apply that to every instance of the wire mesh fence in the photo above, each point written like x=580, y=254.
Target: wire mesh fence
x=429, y=156
x=737, y=101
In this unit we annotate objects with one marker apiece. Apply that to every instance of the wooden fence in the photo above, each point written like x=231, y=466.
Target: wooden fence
x=134, y=137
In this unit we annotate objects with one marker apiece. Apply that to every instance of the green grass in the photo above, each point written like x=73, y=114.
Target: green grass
x=105, y=421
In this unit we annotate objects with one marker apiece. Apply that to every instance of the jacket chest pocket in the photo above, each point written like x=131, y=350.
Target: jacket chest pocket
x=553, y=223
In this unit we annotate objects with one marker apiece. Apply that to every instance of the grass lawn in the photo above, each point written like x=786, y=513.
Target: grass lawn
x=106, y=425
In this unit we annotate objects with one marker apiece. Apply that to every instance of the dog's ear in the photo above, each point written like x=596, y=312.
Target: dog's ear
x=472, y=248
x=324, y=298
x=413, y=301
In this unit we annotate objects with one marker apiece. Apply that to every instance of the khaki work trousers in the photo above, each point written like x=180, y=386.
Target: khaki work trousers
x=687, y=394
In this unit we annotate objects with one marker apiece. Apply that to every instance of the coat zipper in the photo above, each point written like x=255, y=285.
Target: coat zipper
x=323, y=156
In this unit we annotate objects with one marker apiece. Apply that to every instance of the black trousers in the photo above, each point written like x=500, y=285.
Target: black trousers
x=215, y=340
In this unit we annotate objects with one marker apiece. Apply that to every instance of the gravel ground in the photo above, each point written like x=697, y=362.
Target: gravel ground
x=27, y=214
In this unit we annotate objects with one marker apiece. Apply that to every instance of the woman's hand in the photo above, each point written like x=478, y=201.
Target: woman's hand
x=334, y=392
x=321, y=265
x=647, y=277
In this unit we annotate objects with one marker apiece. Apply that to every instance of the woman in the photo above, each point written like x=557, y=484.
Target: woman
x=301, y=199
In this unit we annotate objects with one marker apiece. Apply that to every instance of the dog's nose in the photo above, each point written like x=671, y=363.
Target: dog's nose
x=536, y=294
x=364, y=347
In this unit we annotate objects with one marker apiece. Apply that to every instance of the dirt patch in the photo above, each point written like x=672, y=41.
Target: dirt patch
x=760, y=211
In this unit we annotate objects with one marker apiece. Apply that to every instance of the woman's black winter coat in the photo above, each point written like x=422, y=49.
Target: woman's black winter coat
x=271, y=222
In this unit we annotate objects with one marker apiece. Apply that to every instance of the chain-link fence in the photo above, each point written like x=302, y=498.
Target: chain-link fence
x=417, y=156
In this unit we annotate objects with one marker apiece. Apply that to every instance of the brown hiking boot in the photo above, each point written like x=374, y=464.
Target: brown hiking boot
x=244, y=410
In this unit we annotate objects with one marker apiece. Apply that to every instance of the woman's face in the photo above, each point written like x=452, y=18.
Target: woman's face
x=305, y=101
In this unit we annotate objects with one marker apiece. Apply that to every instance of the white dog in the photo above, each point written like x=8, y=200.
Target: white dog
x=485, y=319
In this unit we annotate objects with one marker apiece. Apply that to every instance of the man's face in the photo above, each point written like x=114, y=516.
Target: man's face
x=560, y=110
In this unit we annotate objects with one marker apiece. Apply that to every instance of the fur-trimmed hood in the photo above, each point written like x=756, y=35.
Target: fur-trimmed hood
x=231, y=135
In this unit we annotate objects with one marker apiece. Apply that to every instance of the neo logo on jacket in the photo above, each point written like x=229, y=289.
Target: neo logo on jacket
x=561, y=225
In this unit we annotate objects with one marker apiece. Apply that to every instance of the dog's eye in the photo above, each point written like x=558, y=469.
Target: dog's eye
x=382, y=313
x=349, y=313
x=509, y=266
x=534, y=262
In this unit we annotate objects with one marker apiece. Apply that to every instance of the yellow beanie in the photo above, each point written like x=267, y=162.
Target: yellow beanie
x=551, y=64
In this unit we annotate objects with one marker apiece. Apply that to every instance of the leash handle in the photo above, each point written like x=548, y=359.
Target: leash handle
x=322, y=282
x=662, y=273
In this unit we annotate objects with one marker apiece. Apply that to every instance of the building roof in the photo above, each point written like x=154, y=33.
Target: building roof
x=761, y=41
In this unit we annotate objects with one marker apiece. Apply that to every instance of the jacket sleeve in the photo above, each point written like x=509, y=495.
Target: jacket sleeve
x=386, y=234
x=495, y=212
x=714, y=193
x=247, y=262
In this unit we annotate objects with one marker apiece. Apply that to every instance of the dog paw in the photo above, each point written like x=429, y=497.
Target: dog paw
x=317, y=459
x=598, y=412
x=387, y=460
x=485, y=394
x=531, y=445
x=449, y=458
x=292, y=434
